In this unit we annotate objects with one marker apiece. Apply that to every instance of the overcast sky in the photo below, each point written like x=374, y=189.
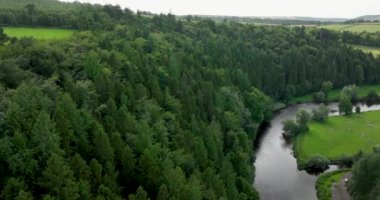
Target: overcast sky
x=309, y=8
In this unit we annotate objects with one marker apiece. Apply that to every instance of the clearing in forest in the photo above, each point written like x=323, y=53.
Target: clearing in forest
x=39, y=33
x=362, y=27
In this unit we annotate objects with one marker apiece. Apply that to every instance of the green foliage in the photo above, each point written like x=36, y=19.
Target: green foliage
x=326, y=181
x=365, y=178
x=3, y=36
x=317, y=162
x=350, y=91
x=326, y=87
x=303, y=118
x=357, y=109
x=319, y=97
x=321, y=113
x=345, y=105
x=373, y=96
x=57, y=179
x=146, y=106
x=334, y=95
x=290, y=128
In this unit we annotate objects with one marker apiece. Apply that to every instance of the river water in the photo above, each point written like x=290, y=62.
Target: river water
x=277, y=176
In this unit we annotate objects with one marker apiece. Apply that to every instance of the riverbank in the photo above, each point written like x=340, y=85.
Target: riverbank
x=326, y=182
x=363, y=91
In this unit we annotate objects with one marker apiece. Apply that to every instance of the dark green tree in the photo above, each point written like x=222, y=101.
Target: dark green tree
x=321, y=113
x=345, y=105
x=326, y=87
x=58, y=179
x=365, y=177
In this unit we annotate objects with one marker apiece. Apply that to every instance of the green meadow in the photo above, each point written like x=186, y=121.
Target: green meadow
x=39, y=33
x=362, y=27
x=339, y=136
x=334, y=95
x=374, y=50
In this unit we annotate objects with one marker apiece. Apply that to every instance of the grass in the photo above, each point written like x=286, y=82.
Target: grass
x=374, y=50
x=325, y=182
x=339, y=136
x=39, y=33
x=367, y=27
x=334, y=95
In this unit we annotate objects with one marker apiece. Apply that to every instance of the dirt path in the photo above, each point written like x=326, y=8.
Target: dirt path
x=339, y=190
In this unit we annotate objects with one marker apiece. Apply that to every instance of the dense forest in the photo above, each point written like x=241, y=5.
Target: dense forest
x=139, y=107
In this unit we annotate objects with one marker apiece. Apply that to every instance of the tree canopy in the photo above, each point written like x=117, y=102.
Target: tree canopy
x=145, y=106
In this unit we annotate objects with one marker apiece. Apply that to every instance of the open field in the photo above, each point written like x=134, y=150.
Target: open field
x=39, y=33
x=334, y=95
x=325, y=182
x=368, y=27
x=374, y=50
x=338, y=136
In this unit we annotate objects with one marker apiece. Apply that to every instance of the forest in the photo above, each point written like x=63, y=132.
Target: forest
x=150, y=107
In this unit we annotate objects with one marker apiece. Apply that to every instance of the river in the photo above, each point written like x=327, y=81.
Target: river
x=277, y=176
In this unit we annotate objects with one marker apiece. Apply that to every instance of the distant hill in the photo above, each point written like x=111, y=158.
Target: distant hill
x=272, y=20
x=368, y=18
x=318, y=19
x=51, y=5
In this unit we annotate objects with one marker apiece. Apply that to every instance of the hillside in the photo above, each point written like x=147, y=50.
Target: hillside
x=47, y=5
x=270, y=20
x=354, y=27
x=368, y=18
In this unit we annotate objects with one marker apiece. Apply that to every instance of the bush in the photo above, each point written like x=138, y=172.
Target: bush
x=357, y=109
x=303, y=119
x=345, y=105
x=373, y=96
x=346, y=161
x=319, y=97
x=351, y=91
x=290, y=129
x=317, y=163
x=320, y=114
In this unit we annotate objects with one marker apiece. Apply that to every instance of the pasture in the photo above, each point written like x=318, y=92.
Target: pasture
x=38, y=33
x=340, y=136
x=362, y=27
x=374, y=50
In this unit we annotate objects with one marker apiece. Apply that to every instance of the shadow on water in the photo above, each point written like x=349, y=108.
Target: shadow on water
x=277, y=175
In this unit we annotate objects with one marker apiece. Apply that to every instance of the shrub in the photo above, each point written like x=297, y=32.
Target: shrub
x=319, y=97
x=320, y=114
x=357, y=109
x=317, y=163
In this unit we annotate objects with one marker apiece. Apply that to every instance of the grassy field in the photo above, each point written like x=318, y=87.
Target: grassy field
x=325, y=182
x=39, y=33
x=368, y=27
x=334, y=95
x=338, y=136
x=374, y=50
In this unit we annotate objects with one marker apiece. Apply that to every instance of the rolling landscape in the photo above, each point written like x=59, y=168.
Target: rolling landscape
x=102, y=101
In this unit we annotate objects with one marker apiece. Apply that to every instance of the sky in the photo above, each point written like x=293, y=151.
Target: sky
x=304, y=8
